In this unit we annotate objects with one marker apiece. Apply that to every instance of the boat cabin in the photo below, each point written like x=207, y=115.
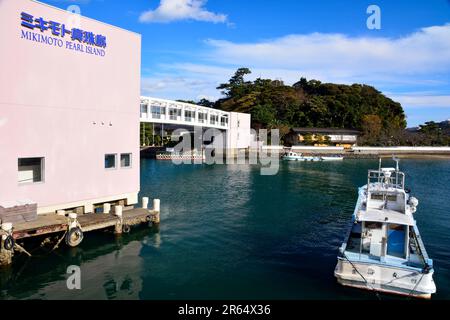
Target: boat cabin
x=384, y=229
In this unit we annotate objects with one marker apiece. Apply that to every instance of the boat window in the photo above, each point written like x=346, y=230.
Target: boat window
x=375, y=196
x=380, y=196
x=392, y=198
x=374, y=225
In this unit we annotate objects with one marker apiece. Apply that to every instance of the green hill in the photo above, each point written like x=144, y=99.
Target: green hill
x=273, y=104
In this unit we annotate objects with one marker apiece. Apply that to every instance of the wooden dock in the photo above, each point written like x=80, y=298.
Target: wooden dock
x=73, y=227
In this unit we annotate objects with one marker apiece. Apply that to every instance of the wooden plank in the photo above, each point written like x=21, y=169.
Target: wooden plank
x=41, y=221
x=39, y=232
x=47, y=224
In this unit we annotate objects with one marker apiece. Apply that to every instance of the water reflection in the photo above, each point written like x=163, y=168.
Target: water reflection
x=111, y=268
x=228, y=233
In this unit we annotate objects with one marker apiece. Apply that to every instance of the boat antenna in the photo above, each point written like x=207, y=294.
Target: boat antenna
x=397, y=160
x=397, y=169
x=379, y=172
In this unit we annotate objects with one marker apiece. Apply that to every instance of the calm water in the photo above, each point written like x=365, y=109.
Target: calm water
x=228, y=232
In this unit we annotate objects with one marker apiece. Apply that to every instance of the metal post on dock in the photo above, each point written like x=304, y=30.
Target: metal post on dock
x=73, y=223
x=118, y=210
x=107, y=208
x=157, y=210
x=145, y=201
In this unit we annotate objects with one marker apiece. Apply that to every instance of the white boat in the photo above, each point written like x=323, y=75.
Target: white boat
x=384, y=251
x=332, y=158
x=293, y=156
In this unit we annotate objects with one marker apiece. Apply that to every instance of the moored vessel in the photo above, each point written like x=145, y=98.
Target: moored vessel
x=383, y=250
x=332, y=158
x=293, y=156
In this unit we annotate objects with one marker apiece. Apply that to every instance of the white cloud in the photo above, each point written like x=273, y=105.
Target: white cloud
x=179, y=87
x=402, y=66
x=423, y=100
x=175, y=10
x=341, y=56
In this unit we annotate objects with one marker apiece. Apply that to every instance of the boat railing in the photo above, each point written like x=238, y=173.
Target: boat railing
x=418, y=243
x=386, y=179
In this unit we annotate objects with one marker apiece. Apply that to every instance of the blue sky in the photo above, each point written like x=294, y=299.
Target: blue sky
x=190, y=46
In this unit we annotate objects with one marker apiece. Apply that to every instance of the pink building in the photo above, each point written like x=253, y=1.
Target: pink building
x=69, y=115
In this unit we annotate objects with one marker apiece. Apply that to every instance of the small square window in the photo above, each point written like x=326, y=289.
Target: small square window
x=125, y=160
x=30, y=170
x=110, y=161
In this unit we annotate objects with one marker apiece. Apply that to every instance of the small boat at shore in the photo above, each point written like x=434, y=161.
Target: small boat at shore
x=293, y=156
x=383, y=250
x=332, y=158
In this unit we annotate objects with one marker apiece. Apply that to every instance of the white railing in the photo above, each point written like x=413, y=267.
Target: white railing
x=173, y=112
x=396, y=179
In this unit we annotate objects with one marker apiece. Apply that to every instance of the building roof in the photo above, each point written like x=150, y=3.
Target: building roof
x=326, y=131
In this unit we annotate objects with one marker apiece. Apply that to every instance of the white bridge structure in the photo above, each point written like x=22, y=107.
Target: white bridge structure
x=236, y=126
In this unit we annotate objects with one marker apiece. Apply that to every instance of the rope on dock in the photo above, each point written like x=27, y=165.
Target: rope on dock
x=21, y=249
x=59, y=242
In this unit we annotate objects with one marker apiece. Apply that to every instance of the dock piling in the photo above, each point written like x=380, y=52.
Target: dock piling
x=118, y=210
x=107, y=208
x=157, y=210
x=73, y=223
x=145, y=201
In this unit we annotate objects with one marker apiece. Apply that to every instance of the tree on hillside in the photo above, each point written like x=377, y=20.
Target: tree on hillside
x=372, y=126
x=236, y=85
x=187, y=101
x=434, y=134
x=206, y=103
x=430, y=128
x=311, y=103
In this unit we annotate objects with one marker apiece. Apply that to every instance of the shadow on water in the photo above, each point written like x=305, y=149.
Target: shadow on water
x=44, y=275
